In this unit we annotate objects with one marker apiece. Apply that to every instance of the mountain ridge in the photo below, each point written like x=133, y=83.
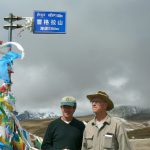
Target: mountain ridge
x=126, y=112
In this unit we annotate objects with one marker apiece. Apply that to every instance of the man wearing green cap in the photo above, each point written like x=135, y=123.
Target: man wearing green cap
x=66, y=132
x=104, y=132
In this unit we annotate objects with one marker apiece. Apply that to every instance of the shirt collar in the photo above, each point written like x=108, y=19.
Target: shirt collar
x=107, y=121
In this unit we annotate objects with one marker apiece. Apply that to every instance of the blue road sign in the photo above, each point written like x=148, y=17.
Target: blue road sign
x=49, y=22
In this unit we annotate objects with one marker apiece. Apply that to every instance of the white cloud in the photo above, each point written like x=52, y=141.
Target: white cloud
x=117, y=82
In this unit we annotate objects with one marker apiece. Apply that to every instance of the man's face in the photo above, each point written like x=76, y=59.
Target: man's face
x=67, y=111
x=98, y=105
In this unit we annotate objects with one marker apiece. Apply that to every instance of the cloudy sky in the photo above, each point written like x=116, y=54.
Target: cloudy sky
x=106, y=47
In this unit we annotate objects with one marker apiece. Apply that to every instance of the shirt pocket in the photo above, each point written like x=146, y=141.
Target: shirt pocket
x=89, y=141
x=109, y=141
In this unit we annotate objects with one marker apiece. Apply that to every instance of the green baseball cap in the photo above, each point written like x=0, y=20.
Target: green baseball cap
x=68, y=101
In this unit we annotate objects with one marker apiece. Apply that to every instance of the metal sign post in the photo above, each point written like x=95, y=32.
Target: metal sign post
x=11, y=26
x=11, y=18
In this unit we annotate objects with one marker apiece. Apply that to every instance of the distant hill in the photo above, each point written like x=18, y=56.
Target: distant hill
x=131, y=113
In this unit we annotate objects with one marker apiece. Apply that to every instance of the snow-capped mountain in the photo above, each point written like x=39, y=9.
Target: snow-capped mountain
x=131, y=112
x=125, y=111
x=36, y=115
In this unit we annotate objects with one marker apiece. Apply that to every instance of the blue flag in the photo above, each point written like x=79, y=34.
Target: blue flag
x=10, y=56
x=4, y=62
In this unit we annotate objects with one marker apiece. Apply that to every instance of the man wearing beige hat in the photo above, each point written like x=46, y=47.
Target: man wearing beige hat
x=104, y=132
x=66, y=132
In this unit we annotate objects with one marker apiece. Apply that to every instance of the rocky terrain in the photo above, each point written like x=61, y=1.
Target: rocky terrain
x=136, y=121
x=138, y=132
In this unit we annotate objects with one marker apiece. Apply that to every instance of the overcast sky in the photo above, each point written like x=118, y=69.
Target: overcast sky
x=106, y=47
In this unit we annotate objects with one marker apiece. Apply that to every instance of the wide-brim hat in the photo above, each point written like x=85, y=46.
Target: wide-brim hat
x=103, y=96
